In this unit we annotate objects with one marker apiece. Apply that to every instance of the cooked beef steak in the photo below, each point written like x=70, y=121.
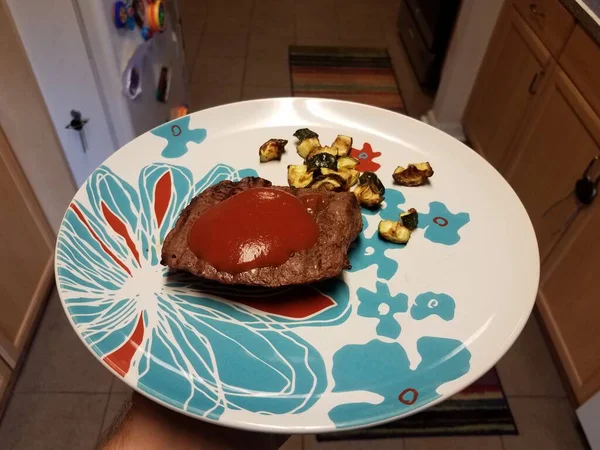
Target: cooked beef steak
x=338, y=218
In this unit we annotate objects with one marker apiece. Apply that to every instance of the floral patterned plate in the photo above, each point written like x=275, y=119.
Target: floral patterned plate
x=405, y=328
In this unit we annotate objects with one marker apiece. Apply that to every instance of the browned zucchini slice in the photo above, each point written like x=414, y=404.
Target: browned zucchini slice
x=299, y=176
x=413, y=175
x=342, y=144
x=392, y=231
x=272, y=150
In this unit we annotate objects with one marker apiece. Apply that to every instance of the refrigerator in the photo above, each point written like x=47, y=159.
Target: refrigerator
x=79, y=56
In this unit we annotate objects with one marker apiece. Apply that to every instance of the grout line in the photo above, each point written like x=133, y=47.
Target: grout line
x=538, y=396
x=248, y=36
x=103, y=419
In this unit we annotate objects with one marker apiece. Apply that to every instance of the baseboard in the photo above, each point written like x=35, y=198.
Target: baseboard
x=453, y=129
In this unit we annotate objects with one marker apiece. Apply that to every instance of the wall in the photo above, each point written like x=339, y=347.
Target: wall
x=27, y=126
x=470, y=39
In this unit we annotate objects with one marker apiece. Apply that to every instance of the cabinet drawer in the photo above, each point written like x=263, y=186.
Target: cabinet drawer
x=550, y=21
x=581, y=62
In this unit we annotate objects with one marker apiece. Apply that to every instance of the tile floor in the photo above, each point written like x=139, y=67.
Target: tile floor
x=237, y=49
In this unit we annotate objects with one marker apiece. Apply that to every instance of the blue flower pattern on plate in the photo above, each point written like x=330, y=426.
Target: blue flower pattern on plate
x=441, y=226
x=178, y=134
x=430, y=303
x=387, y=369
x=381, y=305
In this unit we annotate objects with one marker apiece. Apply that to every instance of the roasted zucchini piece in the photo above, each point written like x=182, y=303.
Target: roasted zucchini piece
x=299, y=176
x=318, y=150
x=331, y=182
x=353, y=176
x=368, y=196
x=305, y=133
x=321, y=161
x=393, y=232
x=410, y=219
x=307, y=145
x=371, y=178
x=413, y=175
x=350, y=177
x=347, y=162
x=342, y=144
x=272, y=150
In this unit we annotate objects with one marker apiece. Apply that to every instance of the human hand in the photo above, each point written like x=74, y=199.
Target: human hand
x=146, y=425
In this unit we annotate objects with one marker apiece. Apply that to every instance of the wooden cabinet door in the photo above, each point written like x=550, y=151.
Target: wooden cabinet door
x=560, y=139
x=569, y=302
x=26, y=247
x=511, y=74
x=5, y=374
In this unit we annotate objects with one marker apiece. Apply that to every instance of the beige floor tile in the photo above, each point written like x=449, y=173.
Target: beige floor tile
x=454, y=443
x=293, y=443
x=119, y=386
x=118, y=403
x=52, y=421
x=316, y=23
x=274, y=21
x=265, y=46
x=205, y=96
x=527, y=368
x=216, y=70
x=198, y=8
x=193, y=29
x=311, y=443
x=58, y=361
x=228, y=45
x=254, y=92
x=547, y=424
x=267, y=72
x=229, y=16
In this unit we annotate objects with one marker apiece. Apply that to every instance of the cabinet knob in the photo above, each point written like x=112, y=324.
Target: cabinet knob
x=533, y=7
x=586, y=187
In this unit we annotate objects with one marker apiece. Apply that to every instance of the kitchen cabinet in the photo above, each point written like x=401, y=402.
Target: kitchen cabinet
x=559, y=141
x=568, y=303
x=5, y=374
x=534, y=113
x=26, y=244
x=507, y=84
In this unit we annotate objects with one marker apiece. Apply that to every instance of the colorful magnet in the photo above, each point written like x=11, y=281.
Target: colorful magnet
x=155, y=14
x=164, y=85
x=120, y=14
x=130, y=18
x=147, y=33
x=139, y=12
x=179, y=111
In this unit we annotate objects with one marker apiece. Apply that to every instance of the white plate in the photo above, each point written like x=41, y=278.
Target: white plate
x=406, y=328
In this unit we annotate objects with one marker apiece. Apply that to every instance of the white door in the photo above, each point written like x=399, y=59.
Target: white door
x=50, y=31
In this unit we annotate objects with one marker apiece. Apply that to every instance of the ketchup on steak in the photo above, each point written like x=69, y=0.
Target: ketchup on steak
x=260, y=227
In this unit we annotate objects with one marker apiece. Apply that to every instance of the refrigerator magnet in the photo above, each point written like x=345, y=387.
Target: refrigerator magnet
x=132, y=75
x=139, y=12
x=120, y=14
x=155, y=14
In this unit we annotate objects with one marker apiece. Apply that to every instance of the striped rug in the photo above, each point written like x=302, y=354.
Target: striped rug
x=363, y=75
x=480, y=409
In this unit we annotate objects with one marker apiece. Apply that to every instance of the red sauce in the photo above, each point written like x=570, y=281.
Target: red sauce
x=260, y=227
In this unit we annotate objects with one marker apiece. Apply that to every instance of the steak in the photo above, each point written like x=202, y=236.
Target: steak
x=338, y=219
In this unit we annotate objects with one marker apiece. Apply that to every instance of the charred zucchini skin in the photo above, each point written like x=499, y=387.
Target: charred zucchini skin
x=321, y=161
x=410, y=219
x=331, y=182
x=371, y=178
x=304, y=133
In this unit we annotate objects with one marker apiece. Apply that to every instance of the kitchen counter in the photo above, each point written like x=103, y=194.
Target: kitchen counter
x=587, y=13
